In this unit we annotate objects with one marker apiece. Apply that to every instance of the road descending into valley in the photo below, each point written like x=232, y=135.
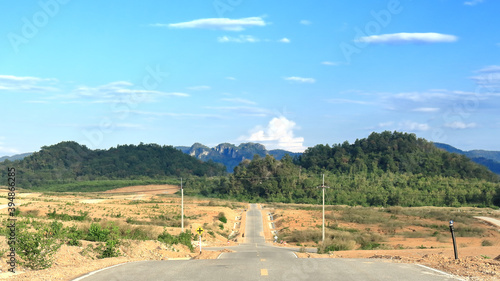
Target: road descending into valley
x=256, y=260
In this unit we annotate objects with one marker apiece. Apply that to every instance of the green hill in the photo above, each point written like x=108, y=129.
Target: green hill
x=392, y=152
x=69, y=163
x=385, y=169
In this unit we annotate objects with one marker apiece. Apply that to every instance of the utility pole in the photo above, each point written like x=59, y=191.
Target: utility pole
x=323, y=187
x=182, y=208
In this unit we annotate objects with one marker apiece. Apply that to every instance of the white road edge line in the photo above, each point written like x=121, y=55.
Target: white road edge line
x=441, y=272
x=99, y=270
x=219, y=256
x=295, y=255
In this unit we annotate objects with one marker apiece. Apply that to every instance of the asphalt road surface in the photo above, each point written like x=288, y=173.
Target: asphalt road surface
x=256, y=260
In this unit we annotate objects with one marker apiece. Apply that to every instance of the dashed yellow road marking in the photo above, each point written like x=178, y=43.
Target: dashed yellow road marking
x=263, y=272
x=262, y=259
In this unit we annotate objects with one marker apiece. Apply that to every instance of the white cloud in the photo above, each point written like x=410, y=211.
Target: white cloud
x=490, y=69
x=244, y=110
x=279, y=134
x=305, y=22
x=284, y=40
x=300, y=79
x=240, y=100
x=413, y=126
x=473, y=2
x=199, y=88
x=230, y=78
x=239, y=39
x=386, y=124
x=7, y=151
x=218, y=23
x=489, y=79
x=426, y=109
x=460, y=125
x=27, y=84
x=331, y=63
x=172, y=114
x=408, y=38
x=348, y=101
x=119, y=92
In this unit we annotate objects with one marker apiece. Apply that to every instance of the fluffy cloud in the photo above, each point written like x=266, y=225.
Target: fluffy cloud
x=489, y=79
x=426, y=109
x=460, y=125
x=284, y=40
x=413, y=126
x=397, y=38
x=300, y=79
x=26, y=84
x=120, y=91
x=331, y=63
x=277, y=135
x=218, y=24
x=239, y=39
x=473, y=2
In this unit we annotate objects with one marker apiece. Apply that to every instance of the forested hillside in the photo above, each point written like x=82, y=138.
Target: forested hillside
x=383, y=169
x=69, y=162
x=490, y=159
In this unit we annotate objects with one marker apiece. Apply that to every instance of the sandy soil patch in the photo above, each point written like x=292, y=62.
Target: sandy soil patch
x=150, y=189
x=158, y=212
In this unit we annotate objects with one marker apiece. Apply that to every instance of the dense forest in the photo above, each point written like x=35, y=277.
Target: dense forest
x=69, y=162
x=384, y=169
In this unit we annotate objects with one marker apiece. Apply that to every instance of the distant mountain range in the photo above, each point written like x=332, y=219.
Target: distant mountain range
x=490, y=159
x=15, y=157
x=231, y=155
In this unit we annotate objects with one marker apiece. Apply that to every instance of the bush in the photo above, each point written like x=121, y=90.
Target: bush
x=97, y=233
x=184, y=238
x=331, y=245
x=222, y=217
x=110, y=249
x=36, y=249
x=486, y=243
x=109, y=235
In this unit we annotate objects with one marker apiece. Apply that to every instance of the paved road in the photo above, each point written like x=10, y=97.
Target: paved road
x=255, y=260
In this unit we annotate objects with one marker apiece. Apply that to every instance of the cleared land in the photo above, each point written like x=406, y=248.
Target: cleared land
x=413, y=235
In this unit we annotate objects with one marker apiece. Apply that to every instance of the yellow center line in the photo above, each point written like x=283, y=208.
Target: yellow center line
x=263, y=272
x=262, y=259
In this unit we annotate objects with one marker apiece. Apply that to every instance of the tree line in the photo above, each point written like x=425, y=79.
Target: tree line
x=384, y=169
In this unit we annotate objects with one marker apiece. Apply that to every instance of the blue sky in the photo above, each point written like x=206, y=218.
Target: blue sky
x=288, y=74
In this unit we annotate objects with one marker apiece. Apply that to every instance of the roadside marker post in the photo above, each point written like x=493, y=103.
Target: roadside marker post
x=452, y=230
x=199, y=230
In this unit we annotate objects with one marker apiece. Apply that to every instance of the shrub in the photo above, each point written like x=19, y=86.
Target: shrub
x=222, y=217
x=335, y=245
x=486, y=243
x=36, y=249
x=97, y=233
x=184, y=238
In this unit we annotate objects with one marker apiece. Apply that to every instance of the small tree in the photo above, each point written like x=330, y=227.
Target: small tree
x=36, y=249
